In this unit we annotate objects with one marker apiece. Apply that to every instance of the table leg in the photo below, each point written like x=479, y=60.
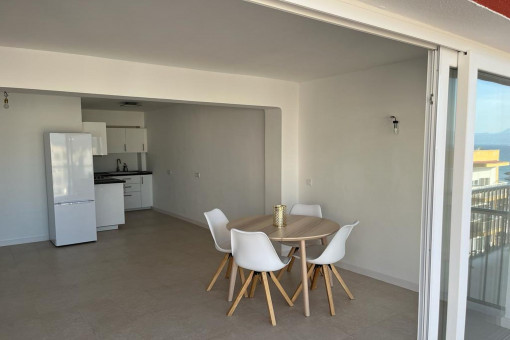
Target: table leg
x=304, y=278
x=233, y=275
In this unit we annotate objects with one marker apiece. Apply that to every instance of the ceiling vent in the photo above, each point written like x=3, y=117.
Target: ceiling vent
x=130, y=104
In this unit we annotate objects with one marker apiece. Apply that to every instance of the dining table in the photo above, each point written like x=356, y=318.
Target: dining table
x=299, y=228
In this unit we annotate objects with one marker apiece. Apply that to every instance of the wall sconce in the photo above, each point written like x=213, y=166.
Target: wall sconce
x=6, y=100
x=395, y=124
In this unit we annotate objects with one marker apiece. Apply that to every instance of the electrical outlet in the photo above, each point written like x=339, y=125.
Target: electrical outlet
x=309, y=182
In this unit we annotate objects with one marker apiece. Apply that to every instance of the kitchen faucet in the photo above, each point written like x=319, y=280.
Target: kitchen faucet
x=119, y=163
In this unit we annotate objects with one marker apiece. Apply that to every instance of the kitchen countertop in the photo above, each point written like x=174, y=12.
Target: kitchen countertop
x=121, y=173
x=108, y=180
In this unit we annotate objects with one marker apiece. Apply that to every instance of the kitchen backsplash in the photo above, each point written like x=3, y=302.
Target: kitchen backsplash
x=109, y=162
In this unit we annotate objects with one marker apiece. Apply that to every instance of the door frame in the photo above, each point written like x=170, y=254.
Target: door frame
x=440, y=62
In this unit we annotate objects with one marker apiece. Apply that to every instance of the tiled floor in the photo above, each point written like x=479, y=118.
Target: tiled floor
x=147, y=281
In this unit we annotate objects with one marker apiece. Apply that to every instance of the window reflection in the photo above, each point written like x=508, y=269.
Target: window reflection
x=488, y=306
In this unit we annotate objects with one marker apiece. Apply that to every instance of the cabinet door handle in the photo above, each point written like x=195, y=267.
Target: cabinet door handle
x=143, y=147
x=127, y=195
x=125, y=149
x=142, y=179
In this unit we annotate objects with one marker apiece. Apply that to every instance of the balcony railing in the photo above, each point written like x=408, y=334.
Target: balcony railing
x=490, y=240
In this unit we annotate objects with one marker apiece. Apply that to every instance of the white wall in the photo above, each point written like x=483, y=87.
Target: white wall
x=226, y=145
x=361, y=170
x=108, y=163
x=84, y=75
x=113, y=118
x=23, y=207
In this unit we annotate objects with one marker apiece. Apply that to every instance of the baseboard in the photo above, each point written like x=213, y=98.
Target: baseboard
x=189, y=220
x=21, y=240
x=380, y=276
x=109, y=227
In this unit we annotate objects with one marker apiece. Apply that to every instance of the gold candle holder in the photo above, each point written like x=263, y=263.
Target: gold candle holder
x=279, y=216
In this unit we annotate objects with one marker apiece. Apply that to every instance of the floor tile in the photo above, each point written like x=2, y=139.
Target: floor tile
x=147, y=280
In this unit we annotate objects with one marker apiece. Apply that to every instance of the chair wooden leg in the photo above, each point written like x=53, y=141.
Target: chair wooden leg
x=218, y=271
x=243, y=279
x=254, y=286
x=300, y=287
x=331, y=281
x=240, y=295
x=232, y=281
x=268, y=298
x=291, y=263
x=280, y=288
x=290, y=254
x=229, y=268
x=314, y=279
x=339, y=278
x=327, y=282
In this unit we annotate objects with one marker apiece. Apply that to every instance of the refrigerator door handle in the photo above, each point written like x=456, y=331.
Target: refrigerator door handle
x=76, y=202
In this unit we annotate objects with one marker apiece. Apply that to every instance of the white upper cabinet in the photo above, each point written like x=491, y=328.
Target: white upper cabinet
x=99, y=139
x=121, y=140
x=116, y=140
x=136, y=140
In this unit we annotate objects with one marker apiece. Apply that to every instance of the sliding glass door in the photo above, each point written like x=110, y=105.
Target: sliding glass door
x=447, y=201
x=488, y=289
x=436, y=272
x=475, y=266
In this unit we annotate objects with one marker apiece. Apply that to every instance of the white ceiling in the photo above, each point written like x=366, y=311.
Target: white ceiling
x=461, y=17
x=229, y=36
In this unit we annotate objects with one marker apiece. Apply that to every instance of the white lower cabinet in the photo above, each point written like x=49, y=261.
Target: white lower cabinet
x=146, y=191
x=137, y=191
x=109, y=206
x=132, y=200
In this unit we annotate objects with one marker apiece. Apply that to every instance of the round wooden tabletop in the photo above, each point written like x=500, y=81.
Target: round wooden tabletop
x=298, y=227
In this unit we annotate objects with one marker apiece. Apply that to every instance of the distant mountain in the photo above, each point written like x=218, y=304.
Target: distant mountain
x=501, y=138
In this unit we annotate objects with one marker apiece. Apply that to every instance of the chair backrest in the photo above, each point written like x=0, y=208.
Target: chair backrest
x=335, y=251
x=306, y=210
x=254, y=251
x=217, y=222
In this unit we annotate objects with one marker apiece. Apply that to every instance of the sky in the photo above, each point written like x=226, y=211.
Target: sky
x=492, y=107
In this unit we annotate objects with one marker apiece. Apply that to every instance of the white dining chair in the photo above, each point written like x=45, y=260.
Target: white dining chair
x=305, y=210
x=254, y=251
x=322, y=258
x=217, y=222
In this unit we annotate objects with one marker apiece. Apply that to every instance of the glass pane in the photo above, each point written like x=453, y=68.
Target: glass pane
x=447, y=203
x=488, y=305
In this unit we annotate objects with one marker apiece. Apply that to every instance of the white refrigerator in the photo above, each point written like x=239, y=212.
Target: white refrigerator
x=70, y=188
